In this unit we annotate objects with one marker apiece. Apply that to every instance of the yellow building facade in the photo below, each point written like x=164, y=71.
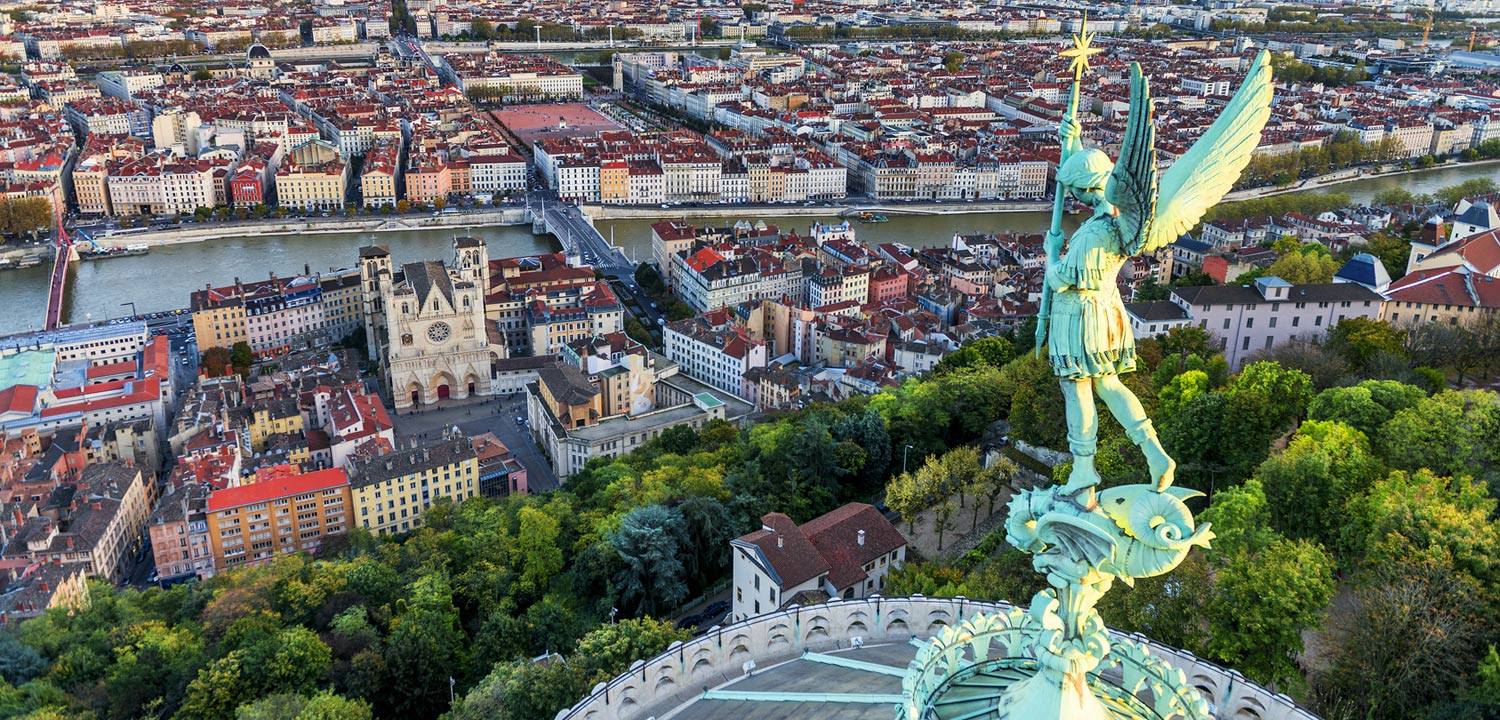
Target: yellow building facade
x=392, y=492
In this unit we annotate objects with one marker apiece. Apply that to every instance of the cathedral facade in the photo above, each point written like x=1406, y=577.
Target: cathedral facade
x=427, y=322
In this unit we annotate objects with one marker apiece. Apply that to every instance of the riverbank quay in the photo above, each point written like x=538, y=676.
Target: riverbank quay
x=1330, y=181
x=202, y=232
x=519, y=215
x=849, y=209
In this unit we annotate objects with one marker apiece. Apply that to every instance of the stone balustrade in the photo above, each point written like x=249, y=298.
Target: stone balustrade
x=653, y=687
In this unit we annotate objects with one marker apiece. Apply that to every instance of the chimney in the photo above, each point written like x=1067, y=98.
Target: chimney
x=861, y=539
x=45, y=587
x=780, y=543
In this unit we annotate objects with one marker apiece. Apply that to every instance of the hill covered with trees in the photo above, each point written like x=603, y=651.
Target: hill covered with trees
x=1335, y=471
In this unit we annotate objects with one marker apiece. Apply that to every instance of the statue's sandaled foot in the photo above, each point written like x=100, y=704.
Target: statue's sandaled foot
x=1163, y=467
x=1085, y=498
x=1081, y=482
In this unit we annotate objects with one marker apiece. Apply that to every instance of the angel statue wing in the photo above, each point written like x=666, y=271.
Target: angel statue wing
x=1152, y=215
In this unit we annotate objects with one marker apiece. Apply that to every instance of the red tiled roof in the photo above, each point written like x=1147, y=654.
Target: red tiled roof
x=18, y=399
x=830, y=544
x=1481, y=251
x=790, y=553
x=837, y=535
x=674, y=230
x=270, y=489
x=87, y=399
x=1448, y=286
x=704, y=259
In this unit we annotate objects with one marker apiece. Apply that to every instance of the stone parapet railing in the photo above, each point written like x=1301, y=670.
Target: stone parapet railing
x=653, y=687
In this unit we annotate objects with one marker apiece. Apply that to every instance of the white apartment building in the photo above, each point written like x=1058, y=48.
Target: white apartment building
x=1247, y=319
x=846, y=553
x=536, y=85
x=114, y=123
x=715, y=355
x=706, y=280
x=497, y=173
x=124, y=84
x=344, y=32
x=187, y=187
x=1205, y=87
x=825, y=178
x=1414, y=134
x=577, y=180
x=646, y=184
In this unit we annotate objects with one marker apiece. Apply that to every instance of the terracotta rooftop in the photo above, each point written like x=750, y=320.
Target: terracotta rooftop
x=268, y=490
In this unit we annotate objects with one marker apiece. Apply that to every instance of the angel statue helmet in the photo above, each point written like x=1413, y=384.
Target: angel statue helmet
x=1089, y=337
x=1087, y=169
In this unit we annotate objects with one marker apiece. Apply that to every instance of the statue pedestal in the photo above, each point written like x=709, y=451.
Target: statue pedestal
x=1046, y=696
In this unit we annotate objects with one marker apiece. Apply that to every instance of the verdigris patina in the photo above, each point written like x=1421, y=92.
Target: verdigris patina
x=1082, y=319
x=1051, y=663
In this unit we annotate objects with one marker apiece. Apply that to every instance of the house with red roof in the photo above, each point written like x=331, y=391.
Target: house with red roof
x=1455, y=295
x=349, y=419
x=845, y=553
x=1478, y=253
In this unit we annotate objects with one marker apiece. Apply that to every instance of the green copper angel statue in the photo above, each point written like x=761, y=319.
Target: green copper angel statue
x=1082, y=312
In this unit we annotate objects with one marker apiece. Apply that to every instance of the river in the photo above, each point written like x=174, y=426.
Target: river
x=1363, y=191
x=163, y=280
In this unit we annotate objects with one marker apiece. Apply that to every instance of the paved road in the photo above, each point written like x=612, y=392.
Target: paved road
x=139, y=566
x=578, y=235
x=566, y=222
x=497, y=415
x=57, y=291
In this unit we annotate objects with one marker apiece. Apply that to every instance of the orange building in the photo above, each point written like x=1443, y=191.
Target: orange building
x=283, y=513
x=614, y=182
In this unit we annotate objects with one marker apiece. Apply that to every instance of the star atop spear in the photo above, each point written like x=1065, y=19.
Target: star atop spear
x=1080, y=53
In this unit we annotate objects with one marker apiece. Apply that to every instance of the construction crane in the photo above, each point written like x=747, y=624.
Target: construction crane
x=1426, y=30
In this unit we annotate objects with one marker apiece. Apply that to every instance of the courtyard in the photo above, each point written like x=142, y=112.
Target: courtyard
x=497, y=415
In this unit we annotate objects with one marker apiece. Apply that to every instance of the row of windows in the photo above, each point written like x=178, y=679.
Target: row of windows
x=1250, y=322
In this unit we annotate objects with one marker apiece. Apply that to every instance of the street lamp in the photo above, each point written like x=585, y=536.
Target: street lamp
x=904, y=453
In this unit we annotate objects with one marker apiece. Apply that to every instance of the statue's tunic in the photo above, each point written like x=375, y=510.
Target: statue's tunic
x=1090, y=335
